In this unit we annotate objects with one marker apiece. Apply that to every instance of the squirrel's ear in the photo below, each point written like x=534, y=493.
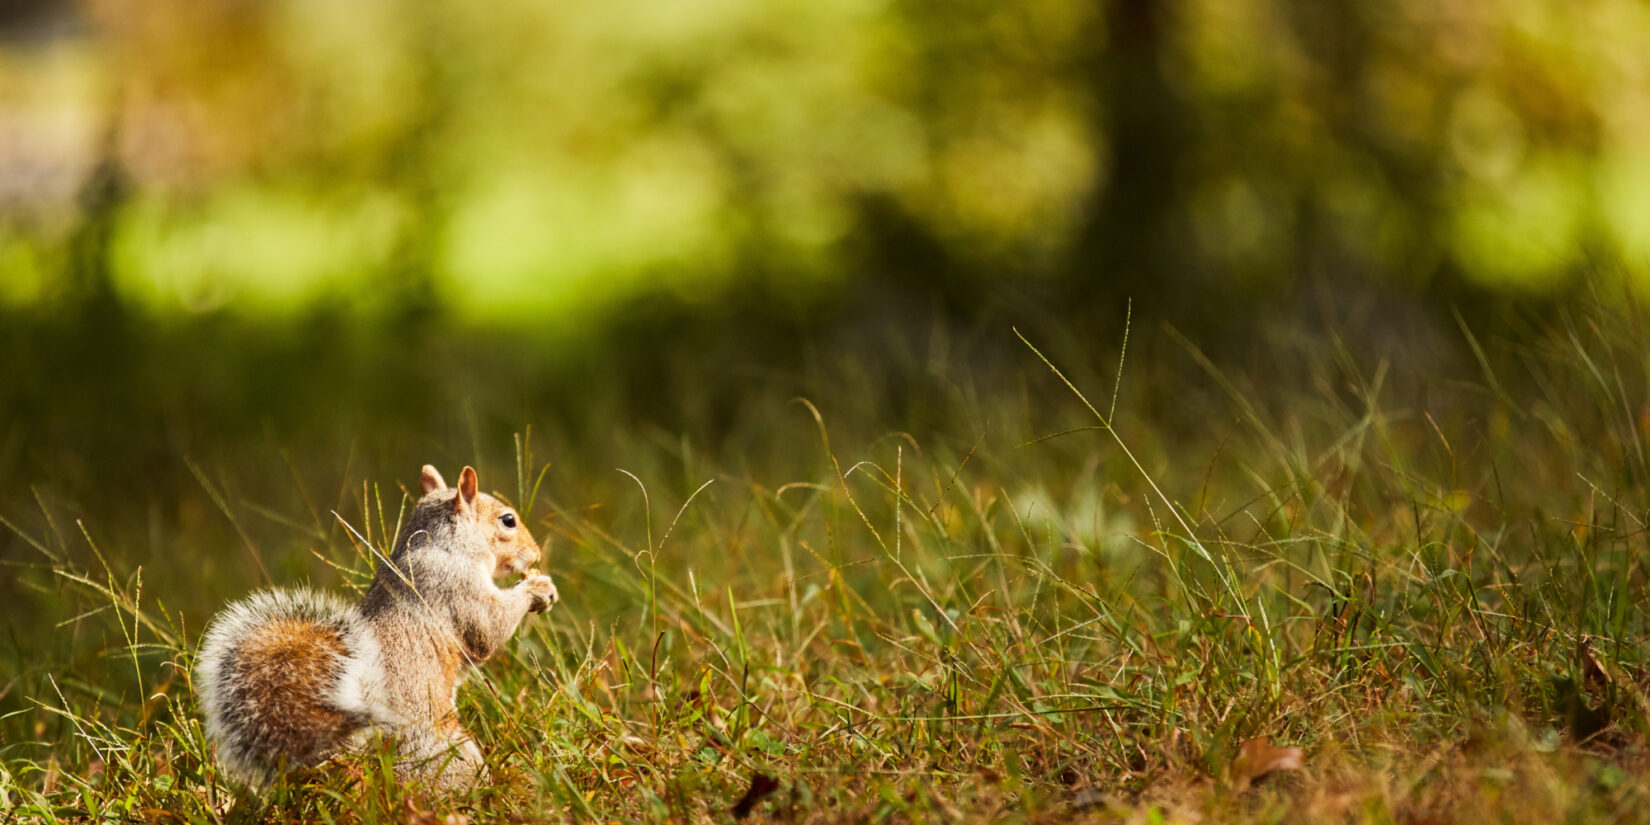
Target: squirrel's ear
x=466, y=497
x=432, y=480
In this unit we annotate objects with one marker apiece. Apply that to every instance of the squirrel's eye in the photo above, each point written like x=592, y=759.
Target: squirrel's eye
x=509, y=519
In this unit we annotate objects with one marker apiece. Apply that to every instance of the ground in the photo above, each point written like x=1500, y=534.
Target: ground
x=1338, y=588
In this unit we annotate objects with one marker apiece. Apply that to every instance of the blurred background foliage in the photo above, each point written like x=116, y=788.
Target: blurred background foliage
x=540, y=164
x=352, y=237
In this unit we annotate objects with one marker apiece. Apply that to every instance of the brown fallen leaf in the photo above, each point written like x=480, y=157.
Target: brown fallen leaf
x=761, y=785
x=1257, y=758
x=416, y=814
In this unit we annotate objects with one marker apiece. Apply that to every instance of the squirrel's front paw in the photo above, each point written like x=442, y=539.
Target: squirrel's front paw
x=542, y=591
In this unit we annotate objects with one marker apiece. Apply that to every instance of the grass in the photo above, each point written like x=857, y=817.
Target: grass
x=1073, y=591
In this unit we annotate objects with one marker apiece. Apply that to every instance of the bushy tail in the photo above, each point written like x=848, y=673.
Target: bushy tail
x=280, y=680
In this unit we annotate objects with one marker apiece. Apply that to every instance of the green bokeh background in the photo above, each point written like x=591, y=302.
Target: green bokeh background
x=539, y=164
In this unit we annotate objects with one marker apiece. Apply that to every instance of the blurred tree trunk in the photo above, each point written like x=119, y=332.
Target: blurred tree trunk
x=1121, y=251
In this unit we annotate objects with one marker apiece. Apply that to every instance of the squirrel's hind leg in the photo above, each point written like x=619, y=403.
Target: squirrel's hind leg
x=448, y=760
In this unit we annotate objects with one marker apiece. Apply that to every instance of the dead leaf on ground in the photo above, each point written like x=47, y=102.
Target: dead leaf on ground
x=761, y=785
x=1257, y=758
x=419, y=815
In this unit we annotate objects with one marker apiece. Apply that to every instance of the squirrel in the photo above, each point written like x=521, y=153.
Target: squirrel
x=290, y=678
